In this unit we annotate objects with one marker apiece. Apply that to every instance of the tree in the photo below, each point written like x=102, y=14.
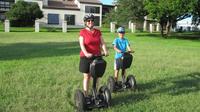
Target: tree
x=196, y=13
x=24, y=13
x=127, y=10
x=109, y=17
x=168, y=12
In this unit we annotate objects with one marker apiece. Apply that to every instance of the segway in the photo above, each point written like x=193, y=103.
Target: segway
x=100, y=98
x=127, y=83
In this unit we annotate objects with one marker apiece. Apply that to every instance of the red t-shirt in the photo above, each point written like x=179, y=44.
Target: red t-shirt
x=91, y=41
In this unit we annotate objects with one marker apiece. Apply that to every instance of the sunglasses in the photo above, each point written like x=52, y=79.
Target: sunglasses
x=122, y=32
x=90, y=20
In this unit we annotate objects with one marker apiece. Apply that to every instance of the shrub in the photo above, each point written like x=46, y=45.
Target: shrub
x=24, y=13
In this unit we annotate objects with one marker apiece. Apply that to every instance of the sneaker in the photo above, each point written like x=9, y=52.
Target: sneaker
x=116, y=83
x=88, y=100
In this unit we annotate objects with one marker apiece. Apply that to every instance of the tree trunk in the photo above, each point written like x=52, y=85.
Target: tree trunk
x=168, y=26
x=162, y=29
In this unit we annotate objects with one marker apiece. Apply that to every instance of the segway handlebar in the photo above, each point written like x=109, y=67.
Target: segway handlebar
x=101, y=55
x=128, y=52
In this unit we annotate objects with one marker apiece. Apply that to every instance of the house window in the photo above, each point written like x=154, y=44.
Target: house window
x=92, y=9
x=5, y=6
x=96, y=20
x=53, y=18
x=70, y=19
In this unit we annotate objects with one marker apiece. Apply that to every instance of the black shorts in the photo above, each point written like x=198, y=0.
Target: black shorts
x=117, y=64
x=84, y=65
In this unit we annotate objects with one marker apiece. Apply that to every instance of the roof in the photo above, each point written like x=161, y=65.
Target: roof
x=91, y=1
x=62, y=4
x=68, y=4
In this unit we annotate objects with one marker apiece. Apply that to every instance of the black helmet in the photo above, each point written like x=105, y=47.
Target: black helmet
x=88, y=17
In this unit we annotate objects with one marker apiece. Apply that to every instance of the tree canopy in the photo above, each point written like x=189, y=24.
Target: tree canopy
x=127, y=10
x=196, y=13
x=166, y=12
x=24, y=13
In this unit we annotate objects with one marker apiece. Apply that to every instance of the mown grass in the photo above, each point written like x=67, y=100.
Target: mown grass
x=39, y=72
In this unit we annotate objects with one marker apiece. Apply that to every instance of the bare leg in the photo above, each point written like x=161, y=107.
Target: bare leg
x=116, y=71
x=86, y=82
x=116, y=75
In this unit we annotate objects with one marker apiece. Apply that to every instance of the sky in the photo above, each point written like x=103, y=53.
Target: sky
x=109, y=2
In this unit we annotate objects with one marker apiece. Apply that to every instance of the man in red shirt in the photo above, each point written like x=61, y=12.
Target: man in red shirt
x=91, y=42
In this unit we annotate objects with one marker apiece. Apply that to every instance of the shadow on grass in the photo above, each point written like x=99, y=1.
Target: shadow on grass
x=148, y=35
x=127, y=99
x=1, y=30
x=187, y=36
x=21, y=31
x=173, y=86
x=34, y=50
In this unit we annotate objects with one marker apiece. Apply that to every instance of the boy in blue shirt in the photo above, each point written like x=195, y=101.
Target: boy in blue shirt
x=120, y=44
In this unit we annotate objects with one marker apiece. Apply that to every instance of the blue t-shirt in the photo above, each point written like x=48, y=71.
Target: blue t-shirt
x=121, y=44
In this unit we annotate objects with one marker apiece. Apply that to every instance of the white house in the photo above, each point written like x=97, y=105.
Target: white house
x=4, y=7
x=186, y=25
x=73, y=11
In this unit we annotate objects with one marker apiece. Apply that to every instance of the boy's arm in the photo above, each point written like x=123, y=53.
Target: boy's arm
x=129, y=48
x=116, y=49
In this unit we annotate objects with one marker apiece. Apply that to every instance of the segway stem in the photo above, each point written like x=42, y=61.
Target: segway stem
x=123, y=79
x=94, y=86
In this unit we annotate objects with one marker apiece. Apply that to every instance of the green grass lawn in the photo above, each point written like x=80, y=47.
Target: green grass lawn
x=39, y=73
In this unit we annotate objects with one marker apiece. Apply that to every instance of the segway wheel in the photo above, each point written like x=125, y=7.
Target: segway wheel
x=111, y=84
x=80, y=101
x=106, y=95
x=131, y=82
